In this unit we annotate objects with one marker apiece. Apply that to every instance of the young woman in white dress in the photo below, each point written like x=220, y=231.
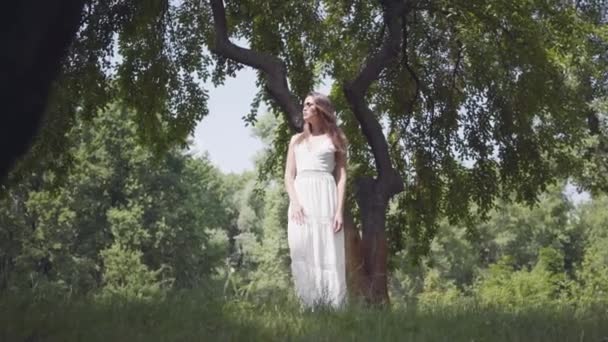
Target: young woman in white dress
x=315, y=179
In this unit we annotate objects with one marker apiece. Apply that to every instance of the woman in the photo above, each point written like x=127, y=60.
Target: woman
x=315, y=179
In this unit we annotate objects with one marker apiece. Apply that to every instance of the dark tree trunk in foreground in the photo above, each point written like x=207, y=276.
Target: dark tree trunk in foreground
x=35, y=35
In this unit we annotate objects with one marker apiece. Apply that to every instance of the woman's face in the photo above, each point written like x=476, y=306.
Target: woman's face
x=309, y=110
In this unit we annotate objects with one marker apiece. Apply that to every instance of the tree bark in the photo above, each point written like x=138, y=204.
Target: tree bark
x=356, y=282
x=273, y=68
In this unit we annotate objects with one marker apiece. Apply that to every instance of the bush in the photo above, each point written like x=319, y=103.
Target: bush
x=438, y=292
x=126, y=276
x=502, y=285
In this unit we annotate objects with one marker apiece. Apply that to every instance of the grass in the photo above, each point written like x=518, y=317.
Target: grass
x=192, y=316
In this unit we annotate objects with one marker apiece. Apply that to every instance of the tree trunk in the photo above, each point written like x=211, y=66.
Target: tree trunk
x=373, y=194
x=36, y=35
x=355, y=277
x=366, y=260
x=374, y=250
x=367, y=254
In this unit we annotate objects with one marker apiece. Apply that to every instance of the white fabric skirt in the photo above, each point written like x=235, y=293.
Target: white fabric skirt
x=317, y=252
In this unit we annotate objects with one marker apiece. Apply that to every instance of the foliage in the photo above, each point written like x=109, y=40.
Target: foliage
x=489, y=105
x=486, y=99
x=126, y=219
x=165, y=248
x=590, y=284
x=505, y=287
x=437, y=292
x=550, y=254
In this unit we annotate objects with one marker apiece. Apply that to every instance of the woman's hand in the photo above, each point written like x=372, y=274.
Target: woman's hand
x=297, y=213
x=338, y=222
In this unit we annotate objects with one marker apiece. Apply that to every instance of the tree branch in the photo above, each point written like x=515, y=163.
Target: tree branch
x=273, y=68
x=410, y=70
x=356, y=90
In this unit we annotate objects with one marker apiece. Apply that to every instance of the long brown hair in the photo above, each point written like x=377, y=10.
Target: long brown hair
x=326, y=111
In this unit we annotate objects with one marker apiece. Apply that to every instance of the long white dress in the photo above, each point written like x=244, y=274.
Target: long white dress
x=317, y=252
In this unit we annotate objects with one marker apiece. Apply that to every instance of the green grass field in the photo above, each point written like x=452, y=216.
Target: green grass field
x=196, y=317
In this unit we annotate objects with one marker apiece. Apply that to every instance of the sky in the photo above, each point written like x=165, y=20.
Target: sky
x=222, y=133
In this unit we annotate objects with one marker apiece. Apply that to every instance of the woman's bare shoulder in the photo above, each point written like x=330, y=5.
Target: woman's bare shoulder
x=294, y=138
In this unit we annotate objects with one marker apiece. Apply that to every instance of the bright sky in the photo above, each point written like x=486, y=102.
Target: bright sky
x=222, y=133
x=230, y=145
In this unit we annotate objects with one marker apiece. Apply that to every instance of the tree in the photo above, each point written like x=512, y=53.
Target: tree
x=455, y=102
x=516, y=247
x=126, y=220
x=456, y=81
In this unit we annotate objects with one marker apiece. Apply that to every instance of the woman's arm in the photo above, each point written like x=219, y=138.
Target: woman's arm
x=340, y=176
x=297, y=212
x=290, y=172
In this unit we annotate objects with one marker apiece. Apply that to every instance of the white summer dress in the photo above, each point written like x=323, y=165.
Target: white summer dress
x=317, y=252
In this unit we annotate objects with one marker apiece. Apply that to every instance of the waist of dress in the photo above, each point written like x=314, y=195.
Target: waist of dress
x=313, y=173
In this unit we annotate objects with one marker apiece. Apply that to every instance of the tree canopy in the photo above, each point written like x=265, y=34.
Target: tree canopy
x=448, y=105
